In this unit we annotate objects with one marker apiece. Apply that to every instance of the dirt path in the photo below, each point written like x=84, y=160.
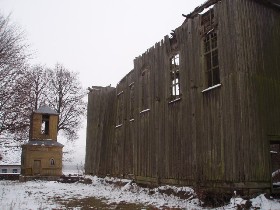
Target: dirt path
x=98, y=204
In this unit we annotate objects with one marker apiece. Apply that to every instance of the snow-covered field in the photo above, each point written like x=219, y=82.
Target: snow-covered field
x=15, y=195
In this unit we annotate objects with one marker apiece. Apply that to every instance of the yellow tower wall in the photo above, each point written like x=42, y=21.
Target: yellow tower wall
x=36, y=127
x=44, y=156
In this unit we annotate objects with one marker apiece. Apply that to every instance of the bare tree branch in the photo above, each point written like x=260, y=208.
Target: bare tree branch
x=60, y=89
x=13, y=93
x=66, y=97
x=24, y=89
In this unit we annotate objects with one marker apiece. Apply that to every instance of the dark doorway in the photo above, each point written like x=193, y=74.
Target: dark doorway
x=36, y=167
x=275, y=164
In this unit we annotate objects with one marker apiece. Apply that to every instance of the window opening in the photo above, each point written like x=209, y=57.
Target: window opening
x=210, y=48
x=120, y=108
x=275, y=164
x=131, y=101
x=207, y=20
x=174, y=77
x=144, y=100
x=45, y=124
x=4, y=170
x=173, y=40
x=15, y=170
x=52, y=162
x=211, y=59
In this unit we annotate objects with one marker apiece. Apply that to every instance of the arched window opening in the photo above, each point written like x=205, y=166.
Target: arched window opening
x=52, y=162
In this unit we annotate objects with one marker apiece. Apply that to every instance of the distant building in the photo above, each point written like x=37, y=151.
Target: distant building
x=10, y=151
x=199, y=108
x=10, y=169
x=10, y=172
x=42, y=155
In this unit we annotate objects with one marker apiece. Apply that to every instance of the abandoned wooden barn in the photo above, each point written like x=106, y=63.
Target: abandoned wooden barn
x=200, y=108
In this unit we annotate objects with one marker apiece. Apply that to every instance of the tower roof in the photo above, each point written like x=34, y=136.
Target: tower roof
x=45, y=110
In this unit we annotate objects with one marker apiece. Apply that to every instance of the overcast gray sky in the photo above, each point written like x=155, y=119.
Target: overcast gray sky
x=98, y=39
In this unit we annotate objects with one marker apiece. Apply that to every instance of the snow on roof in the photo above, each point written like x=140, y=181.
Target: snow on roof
x=10, y=165
x=45, y=110
x=44, y=143
x=10, y=151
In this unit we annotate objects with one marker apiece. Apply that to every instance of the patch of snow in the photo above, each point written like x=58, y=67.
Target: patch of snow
x=173, y=101
x=120, y=93
x=145, y=110
x=263, y=203
x=206, y=10
x=210, y=31
x=131, y=84
x=275, y=172
x=210, y=88
x=117, y=126
x=276, y=184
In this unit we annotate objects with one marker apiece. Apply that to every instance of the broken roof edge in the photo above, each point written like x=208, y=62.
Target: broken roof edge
x=199, y=9
x=125, y=77
x=273, y=3
x=194, y=13
x=99, y=88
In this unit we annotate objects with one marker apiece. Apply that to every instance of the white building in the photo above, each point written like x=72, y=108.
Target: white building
x=10, y=151
x=10, y=169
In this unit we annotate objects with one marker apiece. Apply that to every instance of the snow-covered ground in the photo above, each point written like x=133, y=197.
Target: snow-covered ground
x=15, y=195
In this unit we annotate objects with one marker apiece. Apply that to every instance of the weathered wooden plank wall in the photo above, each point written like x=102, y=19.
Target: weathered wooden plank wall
x=100, y=117
x=217, y=138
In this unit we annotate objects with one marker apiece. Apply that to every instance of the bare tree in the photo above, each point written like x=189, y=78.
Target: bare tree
x=31, y=88
x=12, y=49
x=37, y=79
x=13, y=60
x=66, y=97
x=58, y=88
x=23, y=89
x=14, y=107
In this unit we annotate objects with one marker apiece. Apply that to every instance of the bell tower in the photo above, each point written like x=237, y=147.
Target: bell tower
x=42, y=154
x=43, y=125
